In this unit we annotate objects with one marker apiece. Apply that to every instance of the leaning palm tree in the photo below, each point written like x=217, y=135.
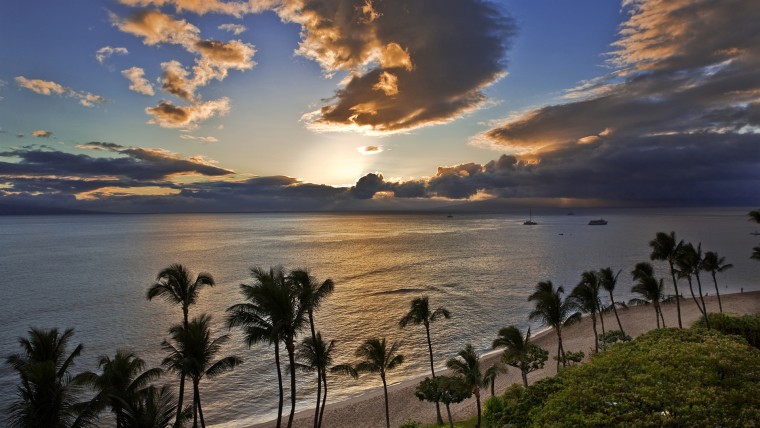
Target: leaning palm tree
x=608, y=280
x=689, y=265
x=714, y=263
x=586, y=294
x=47, y=394
x=377, y=357
x=310, y=295
x=490, y=375
x=176, y=285
x=419, y=313
x=265, y=315
x=649, y=288
x=665, y=248
x=193, y=352
x=554, y=311
x=519, y=352
x=468, y=366
x=122, y=380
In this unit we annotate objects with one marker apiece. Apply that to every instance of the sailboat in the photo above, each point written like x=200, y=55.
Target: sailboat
x=530, y=222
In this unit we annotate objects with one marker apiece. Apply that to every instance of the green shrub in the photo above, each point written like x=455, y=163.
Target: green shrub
x=747, y=326
x=667, y=377
x=410, y=424
x=612, y=337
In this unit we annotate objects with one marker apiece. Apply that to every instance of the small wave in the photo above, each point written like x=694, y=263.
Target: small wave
x=403, y=291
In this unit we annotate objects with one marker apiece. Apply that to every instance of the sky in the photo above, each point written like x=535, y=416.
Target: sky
x=270, y=105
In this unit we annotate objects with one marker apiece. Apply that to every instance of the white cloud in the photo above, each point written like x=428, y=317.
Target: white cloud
x=137, y=80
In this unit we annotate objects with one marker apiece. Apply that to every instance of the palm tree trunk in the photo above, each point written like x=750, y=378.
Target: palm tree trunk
x=279, y=382
x=200, y=408
x=717, y=293
x=324, y=397
x=438, y=418
x=524, y=374
x=702, y=298
x=678, y=296
x=656, y=313
x=180, y=399
x=694, y=296
x=451, y=421
x=560, y=350
x=601, y=318
x=493, y=387
x=614, y=309
x=292, y=358
x=596, y=336
x=319, y=369
x=195, y=410
x=662, y=317
x=387, y=412
x=477, y=402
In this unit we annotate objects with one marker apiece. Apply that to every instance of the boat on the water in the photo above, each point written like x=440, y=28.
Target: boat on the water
x=530, y=222
x=598, y=222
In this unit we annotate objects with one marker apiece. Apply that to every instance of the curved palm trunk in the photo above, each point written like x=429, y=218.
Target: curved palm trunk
x=596, y=335
x=279, y=383
x=200, y=409
x=292, y=359
x=319, y=369
x=477, y=402
x=451, y=421
x=717, y=293
x=614, y=309
x=702, y=298
x=324, y=397
x=678, y=296
x=694, y=296
x=385, y=393
x=662, y=317
x=656, y=313
x=438, y=418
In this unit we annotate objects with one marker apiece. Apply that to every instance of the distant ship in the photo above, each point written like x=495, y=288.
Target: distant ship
x=599, y=222
x=530, y=222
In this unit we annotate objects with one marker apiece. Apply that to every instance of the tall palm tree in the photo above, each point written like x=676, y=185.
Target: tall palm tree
x=714, y=263
x=122, y=380
x=265, y=315
x=176, y=285
x=310, y=295
x=154, y=408
x=47, y=394
x=649, y=288
x=689, y=265
x=468, y=366
x=377, y=357
x=419, y=313
x=519, y=352
x=552, y=310
x=586, y=294
x=490, y=375
x=608, y=281
x=316, y=355
x=193, y=352
x=665, y=248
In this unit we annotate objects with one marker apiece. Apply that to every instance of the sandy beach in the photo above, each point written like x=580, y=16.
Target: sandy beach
x=368, y=410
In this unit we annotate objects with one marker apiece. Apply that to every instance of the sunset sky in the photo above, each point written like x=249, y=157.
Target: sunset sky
x=190, y=105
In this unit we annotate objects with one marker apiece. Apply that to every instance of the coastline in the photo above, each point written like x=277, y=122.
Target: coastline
x=367, y=409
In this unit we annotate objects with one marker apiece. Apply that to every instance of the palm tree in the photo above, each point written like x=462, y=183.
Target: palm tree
x=586, y=294
x=469, y=368
x=176, y=285
x=316, y=355
x=714, y=263
x=154, y=408
x=265, y=315
x=665, y=248
x=310, y=296
x=47, y=394
x=121, y=382
x=193, y=352
x=754, y=215
x=377, y=357
x=554, y=311
x=490, y=375
x=608, y=280
x=649, y=288
x=690, y=264
x=519, y=352
x=419, y=313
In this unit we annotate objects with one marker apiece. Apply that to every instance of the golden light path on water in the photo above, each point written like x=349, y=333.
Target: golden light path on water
x=92, y=272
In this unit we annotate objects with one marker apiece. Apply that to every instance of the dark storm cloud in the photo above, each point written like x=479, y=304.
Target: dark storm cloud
x=428, y=60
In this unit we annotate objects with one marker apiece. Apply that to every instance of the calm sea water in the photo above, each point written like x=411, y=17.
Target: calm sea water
x=91, y=273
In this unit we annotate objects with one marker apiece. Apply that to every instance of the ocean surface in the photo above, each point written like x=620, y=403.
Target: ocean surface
x=91, y=273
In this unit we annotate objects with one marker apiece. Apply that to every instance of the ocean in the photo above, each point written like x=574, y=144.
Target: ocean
x=91, y=273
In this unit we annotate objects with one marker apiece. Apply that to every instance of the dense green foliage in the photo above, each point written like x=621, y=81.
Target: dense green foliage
x=444, y=389
x=747, y=326
x=663, y=378
x=514, y=406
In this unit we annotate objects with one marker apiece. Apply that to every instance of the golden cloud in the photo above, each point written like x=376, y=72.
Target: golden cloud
x=168, y=115
x=137, y=80
x=388, y=83
x=42, y=134
x=46, y=87
x=235, y=29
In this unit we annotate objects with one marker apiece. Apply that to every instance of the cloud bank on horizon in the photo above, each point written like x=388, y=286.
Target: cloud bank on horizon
x=675, y=121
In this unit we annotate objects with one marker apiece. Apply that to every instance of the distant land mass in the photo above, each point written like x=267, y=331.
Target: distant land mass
x=8, y=209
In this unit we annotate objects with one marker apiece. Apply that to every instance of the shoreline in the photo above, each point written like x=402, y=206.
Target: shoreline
x=368, y=410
